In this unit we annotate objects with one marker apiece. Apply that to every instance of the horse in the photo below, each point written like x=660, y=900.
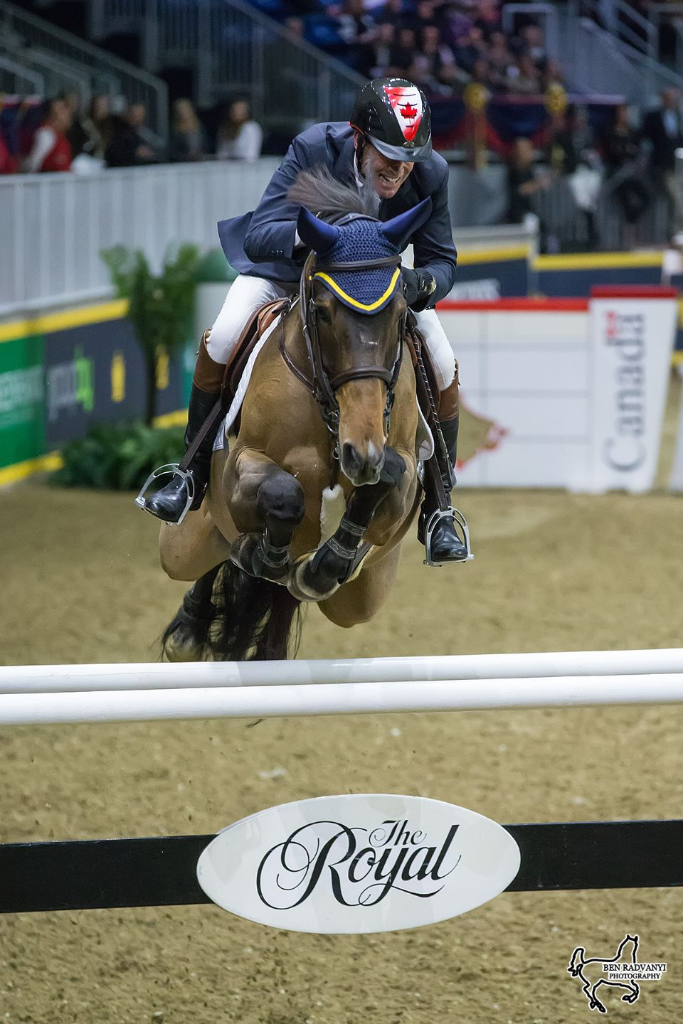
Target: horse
x=310, y=501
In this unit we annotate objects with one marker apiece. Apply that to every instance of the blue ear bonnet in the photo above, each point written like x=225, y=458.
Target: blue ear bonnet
x=364, y=291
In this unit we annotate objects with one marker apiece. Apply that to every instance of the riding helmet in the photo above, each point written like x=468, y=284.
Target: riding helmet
x=393, y=114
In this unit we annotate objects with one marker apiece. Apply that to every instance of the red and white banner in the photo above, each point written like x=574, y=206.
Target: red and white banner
x=564, y=392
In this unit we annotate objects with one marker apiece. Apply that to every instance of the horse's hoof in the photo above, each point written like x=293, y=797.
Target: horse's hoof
x=300, y=588
x=180, y=645
x=242, y=552
x=247, y=554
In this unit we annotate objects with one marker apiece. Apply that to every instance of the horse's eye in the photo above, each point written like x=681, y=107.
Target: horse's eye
x=323, y=314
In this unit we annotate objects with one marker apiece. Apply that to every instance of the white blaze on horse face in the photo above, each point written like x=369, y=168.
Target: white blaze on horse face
x=406, y=104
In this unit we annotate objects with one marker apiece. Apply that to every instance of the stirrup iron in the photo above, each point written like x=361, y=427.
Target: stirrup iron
x=171, y=469
x=459, y=520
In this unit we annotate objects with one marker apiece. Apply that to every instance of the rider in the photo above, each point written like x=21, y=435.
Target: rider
x=388, y=141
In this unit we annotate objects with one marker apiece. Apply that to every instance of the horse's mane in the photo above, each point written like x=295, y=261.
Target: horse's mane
x=322, y=194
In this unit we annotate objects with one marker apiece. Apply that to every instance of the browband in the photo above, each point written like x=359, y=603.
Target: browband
x=384, y=261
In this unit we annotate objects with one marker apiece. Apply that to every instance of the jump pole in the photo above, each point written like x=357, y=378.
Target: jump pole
x=204, y=674
x=339, y=698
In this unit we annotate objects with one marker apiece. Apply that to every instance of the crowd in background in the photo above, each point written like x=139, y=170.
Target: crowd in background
x=637, y=163
x=56, y=135
x=443, y=45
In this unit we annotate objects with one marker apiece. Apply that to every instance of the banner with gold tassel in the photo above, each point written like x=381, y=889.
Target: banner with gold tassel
x=475, y=98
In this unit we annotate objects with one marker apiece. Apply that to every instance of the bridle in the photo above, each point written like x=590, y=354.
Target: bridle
x=321, y=385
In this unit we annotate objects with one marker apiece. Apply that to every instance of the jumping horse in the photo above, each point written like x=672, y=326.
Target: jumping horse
x=314, y=495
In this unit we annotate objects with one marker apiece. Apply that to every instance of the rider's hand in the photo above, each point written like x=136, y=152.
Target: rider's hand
x=418, y=286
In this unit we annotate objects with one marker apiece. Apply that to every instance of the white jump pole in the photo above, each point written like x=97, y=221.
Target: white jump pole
x=339, y=698
x=190, y=675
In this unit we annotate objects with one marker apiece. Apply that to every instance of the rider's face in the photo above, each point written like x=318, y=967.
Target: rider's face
x=388, y=175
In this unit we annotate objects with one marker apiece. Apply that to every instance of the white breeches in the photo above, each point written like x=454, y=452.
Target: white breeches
x=247, y=294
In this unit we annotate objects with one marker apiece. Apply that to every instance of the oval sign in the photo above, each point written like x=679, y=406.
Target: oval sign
x=358, y=863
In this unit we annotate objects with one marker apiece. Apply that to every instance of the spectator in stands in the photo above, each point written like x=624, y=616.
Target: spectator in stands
x=663, y=128
x=8, y=163
x=136, y=116
x=294, y=28
x=51, y=150
x=470, y=48
x=403, y=52
x=239, y=137
x=523, y=182
x=624, y=166
x=434, y=68
x=125, y=146
x=95, y=125
x=376, y=57
x=488, y=16
x=355, y=24
x=76, y=133
x=533, y=43
x=499, y=60
x=425, y=16
x=523, y=76
x=187, y=143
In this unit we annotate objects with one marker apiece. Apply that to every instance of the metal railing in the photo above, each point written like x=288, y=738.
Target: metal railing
x=33, y=40
x=596, y=60
x=54, y=226
x=18, y=79
x=232, y=47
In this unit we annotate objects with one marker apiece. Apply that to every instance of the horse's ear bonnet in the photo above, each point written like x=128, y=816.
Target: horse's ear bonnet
x=355, y=240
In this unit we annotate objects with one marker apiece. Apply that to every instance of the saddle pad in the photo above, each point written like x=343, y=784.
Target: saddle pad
x=241, y=391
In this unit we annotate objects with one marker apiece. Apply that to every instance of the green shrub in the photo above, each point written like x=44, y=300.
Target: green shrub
x=118, y=456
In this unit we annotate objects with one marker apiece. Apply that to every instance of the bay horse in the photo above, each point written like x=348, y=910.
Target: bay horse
x=314, y=495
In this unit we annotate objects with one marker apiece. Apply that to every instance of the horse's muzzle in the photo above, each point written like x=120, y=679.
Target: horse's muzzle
x=361, y=469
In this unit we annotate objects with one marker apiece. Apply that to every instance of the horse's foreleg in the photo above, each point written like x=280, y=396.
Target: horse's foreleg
x=317, y=576
x=267, y=504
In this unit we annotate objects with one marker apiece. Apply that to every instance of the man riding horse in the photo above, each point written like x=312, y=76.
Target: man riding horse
x=387, y=145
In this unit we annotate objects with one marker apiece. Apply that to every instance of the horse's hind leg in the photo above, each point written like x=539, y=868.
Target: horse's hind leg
x=361, y=598
x=189, y=551
x=185, y=638
x=267, y=503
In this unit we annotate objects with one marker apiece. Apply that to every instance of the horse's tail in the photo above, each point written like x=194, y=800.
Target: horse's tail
x=253, y=618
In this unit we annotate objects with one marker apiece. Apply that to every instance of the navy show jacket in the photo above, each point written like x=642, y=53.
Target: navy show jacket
x=261, y=244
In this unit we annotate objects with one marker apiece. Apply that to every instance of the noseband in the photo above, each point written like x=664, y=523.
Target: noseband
x=320, y=384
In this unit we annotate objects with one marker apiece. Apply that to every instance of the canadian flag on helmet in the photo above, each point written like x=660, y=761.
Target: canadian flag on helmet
x=406, y=104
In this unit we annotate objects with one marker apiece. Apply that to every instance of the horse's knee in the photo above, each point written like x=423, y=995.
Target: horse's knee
x=281, y=497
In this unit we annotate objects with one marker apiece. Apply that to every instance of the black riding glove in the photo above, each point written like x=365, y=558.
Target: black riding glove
x=418, y=286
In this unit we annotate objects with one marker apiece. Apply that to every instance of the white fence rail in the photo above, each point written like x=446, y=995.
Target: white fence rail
x=57, y=224
x=207, y=674
x=54, y=694
x=100, y=706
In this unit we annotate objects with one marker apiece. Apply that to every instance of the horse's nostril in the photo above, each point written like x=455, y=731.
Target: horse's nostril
x=350, y=455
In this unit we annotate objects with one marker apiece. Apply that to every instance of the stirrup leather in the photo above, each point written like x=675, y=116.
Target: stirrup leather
x=171, y=469
x=458, y=520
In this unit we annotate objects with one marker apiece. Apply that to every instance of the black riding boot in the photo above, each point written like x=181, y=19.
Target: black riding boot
x=446, y=544
x=169, y=502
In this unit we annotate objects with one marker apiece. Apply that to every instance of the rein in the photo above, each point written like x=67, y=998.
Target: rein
x=320, y=384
